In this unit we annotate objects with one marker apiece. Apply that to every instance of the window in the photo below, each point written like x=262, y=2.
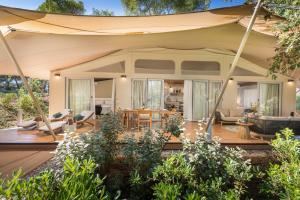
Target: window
x=118, y=67
x=200, y=68
x=147, y=66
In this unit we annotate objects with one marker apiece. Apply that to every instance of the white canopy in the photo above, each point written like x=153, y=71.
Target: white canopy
x=47, y=42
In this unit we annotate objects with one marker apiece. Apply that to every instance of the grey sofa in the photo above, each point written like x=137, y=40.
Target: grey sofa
x=268, y=126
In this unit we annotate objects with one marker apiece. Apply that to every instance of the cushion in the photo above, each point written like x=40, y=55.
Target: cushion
x=27, y=124
x=230, y=119
x=57, y=115
x=54, y=126
x=78, y=117
x=236, y=113
x=224, y=111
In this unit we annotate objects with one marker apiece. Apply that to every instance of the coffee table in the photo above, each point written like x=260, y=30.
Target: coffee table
x=244, y=129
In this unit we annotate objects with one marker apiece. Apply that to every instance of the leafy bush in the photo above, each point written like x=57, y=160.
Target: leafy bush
x=283, y=178
x=142, y=156
x=174, y=124
x=205, y=170
x=78, y=181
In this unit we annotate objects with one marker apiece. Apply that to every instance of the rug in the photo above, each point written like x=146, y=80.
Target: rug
x=231, y=128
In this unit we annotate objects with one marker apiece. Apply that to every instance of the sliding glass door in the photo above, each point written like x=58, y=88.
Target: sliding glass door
x=200, y=97
x=139, y=89
x=205, y=94
x=147, y=93
x=214, y=88
x=269, y=99
x=79, y=97
x=155, y=94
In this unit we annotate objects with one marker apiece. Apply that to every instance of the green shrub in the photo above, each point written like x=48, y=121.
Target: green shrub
x=166, y=191
x=78, y=181
x=283, y=178
x=142, y=156
x=174, y=125
x=205, y=170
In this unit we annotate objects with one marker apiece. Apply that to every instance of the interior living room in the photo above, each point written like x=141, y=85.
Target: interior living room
x=173, y=95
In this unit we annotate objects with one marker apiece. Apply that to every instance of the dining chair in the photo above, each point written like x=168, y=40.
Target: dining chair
x=144, y=117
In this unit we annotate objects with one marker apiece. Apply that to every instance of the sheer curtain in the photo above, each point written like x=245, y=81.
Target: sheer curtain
x=155, y=94
x=139, y=87
x=79, y=95
x=214, y=91
x=188, y=100
x=200, y=103
x=269, y=99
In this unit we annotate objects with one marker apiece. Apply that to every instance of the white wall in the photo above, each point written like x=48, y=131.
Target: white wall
x=123, y=87
x=103, y=89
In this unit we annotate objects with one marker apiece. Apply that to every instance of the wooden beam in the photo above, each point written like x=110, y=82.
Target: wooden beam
x=234, y=63
x=20, y=72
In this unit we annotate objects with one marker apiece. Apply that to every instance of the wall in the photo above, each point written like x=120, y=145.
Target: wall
x=123, y=87
x=103, y=89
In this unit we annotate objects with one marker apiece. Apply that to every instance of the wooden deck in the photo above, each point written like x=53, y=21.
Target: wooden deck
x=29, y=149
x=11, y=161
x=228, y=134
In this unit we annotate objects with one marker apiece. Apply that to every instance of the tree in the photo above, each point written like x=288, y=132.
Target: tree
x=74, y=7
x=287, y=57
x=159, y=7
x=102, y=12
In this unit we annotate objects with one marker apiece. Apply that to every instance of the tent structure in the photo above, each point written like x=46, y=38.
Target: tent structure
x=49, y=42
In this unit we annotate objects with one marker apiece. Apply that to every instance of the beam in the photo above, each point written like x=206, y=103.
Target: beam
x=234, y=63
x=20, y=72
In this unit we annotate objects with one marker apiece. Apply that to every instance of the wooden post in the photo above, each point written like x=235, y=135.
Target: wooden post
x=20, y=72
x=234, y=63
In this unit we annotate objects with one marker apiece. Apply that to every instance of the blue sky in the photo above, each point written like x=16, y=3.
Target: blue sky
x=114, y=5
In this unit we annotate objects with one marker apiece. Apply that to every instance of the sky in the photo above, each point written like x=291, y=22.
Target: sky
x=113, y=5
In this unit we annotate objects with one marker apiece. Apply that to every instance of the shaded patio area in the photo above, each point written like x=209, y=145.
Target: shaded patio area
x=228, y=134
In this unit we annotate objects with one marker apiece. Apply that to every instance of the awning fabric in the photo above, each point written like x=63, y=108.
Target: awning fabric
x=45, y=42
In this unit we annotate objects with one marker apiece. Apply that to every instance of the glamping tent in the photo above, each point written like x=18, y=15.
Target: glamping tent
x=197, y=48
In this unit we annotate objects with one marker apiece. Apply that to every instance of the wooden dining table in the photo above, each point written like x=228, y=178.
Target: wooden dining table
x=129, y=114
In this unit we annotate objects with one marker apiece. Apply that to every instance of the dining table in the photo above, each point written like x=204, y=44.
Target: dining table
x=130, y=114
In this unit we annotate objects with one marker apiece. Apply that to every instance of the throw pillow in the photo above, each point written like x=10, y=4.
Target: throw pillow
x=57, y=115
x=78, y=117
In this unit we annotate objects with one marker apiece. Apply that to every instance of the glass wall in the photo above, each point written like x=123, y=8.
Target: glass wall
x=269, y=99
x=79, y=95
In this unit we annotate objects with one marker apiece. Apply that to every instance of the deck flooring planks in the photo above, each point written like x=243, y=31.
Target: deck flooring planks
x=25, y=160
x=225, y=135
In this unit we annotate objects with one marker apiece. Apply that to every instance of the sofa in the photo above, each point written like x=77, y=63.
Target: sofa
x=268, y=126
x=229, y=116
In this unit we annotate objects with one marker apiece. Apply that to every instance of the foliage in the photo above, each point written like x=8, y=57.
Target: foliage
x=20, y=99
x=101, y=146
x=74, y=7
x=160, y=7
x=174, y=125
x=98, y=12
x=287, y=57
x=166, y=191
x=205, y=170
x=78, y=182
x=297, y=101
x=142, y=156
x=283, y=178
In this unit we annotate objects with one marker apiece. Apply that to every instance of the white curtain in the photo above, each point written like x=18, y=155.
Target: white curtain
x=188, y=100
x=155, y=94
x=269, y=99
x=79, y=95
x=214, y=91
x=138, y=93
x=200, y=103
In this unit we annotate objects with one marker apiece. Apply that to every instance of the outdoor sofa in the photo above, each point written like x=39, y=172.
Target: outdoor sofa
x=228, y=116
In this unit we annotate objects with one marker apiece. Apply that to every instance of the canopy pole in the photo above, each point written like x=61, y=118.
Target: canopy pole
x=234, y=64
x=20, y=72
